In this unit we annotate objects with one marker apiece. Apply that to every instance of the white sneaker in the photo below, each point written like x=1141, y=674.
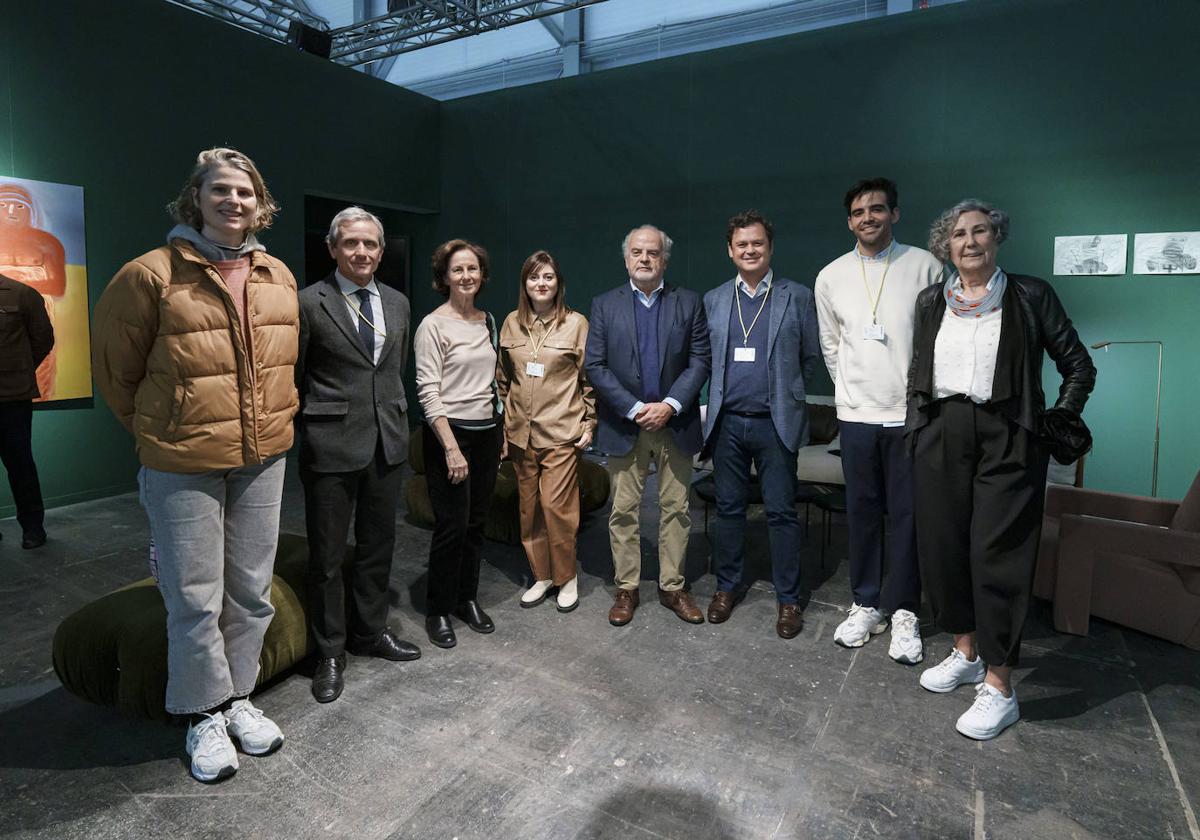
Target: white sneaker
x=859, y=626
x=213, y=755
x=535, y=594
x=953, y=671
x=906, y=647
x=256, y=732
x=989, y=715
x=568, y=595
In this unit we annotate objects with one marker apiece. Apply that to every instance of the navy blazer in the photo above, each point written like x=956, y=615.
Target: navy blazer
x=347, y=402
x=614, y=367
x=793, y=356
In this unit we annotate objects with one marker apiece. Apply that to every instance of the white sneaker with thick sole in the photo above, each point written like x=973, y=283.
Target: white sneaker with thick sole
x=568, y=595
x=535, y=594
x=906, y=647
x=213, y=755
x=989, y=715
x=953, y=671
x=256, y=732
x=859, y=626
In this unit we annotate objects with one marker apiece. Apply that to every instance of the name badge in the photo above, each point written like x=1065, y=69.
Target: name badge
x=535, y=369
x=873, y=332
x=743, y=354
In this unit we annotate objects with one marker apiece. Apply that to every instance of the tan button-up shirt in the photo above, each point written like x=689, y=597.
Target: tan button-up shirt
x=554, y=409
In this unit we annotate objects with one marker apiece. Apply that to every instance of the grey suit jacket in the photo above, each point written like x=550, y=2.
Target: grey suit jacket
x=347, y=403
x=794, y=355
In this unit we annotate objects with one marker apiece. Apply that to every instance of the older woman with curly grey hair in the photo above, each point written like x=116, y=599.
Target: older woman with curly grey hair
x=975, y=416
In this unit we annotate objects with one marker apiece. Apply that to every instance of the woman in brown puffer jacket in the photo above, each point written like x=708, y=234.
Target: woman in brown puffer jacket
x=194, y=349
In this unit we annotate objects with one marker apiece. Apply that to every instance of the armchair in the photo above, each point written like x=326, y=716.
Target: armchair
x=1133, y=560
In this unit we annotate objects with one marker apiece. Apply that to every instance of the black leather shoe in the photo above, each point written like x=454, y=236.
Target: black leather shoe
x=440, y=632
x=388, y=646
x=476, y=618
x=327, y=682
x=34, y=538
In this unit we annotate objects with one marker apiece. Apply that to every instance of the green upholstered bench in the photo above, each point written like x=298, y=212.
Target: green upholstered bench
x=503, y=521
x=114, y=650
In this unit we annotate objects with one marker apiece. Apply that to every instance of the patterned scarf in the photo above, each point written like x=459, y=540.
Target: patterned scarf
x=990, y=302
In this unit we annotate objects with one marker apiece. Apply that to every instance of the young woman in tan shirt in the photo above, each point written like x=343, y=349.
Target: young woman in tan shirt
x=549, y=419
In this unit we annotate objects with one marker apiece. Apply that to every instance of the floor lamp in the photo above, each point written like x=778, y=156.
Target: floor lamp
x=1104, y=345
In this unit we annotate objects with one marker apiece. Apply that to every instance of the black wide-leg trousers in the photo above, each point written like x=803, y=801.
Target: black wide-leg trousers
x=980, y=490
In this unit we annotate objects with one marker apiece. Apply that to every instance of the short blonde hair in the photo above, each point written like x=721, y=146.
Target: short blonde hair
x=184, y=208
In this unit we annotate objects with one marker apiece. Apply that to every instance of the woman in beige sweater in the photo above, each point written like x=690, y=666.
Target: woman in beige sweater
x=455, y=352
x=549, y=418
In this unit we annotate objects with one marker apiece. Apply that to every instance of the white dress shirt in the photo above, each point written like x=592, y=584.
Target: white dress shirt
x=349, y=290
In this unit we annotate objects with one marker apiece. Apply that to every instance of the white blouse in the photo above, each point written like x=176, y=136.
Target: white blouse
x=964, y=355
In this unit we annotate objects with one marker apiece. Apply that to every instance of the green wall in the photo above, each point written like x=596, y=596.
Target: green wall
x=1076, y=117
x=119, y=98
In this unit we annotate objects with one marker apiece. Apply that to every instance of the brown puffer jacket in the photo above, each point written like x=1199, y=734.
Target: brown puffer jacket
x=172, y=363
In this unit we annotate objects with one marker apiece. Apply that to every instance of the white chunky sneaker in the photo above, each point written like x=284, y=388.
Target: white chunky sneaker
x=989, y=715
x=568, y=595
x=859, y=626
x=213, y=755
x=953, y=671
x=535, y=594
x=906, y=645
x=256, y=732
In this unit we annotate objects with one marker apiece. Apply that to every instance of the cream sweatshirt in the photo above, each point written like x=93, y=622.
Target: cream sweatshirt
x=870, y=377
x=456, y=365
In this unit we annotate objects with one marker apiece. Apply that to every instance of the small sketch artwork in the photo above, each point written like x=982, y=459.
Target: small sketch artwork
x=1166, y=253
x=1099, y=254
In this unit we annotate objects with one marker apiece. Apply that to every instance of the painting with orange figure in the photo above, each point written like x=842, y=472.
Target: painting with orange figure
x=42, y=244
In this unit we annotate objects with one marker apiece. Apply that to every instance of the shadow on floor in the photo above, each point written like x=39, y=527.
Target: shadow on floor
x=658, y=812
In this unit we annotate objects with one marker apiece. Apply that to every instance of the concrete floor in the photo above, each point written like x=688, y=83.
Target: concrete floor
x=561, y=726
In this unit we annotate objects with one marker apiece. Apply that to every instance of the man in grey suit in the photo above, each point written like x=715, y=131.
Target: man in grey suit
x=354, y=439
x=647, y=357
x=765, y=345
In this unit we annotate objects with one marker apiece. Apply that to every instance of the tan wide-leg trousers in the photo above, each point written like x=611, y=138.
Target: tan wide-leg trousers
x=548, y=491
x=675, y=521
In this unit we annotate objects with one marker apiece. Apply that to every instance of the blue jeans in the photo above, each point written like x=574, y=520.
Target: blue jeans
x=741, y=441
x=215, y=534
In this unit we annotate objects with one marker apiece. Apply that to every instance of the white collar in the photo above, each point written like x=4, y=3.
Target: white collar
x=349, y=287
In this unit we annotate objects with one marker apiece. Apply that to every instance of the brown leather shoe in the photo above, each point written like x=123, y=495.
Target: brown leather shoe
x=791, y=619
x=720, y=608
x=623, y=606
x=681, y=603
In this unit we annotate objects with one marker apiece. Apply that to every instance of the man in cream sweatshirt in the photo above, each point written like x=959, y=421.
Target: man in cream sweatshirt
x=865, y=302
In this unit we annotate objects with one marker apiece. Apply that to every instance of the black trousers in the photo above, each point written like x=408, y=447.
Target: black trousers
x=877, y=463
x=329, y=499
x=981, y=485
x=16, y=452
x=459, y=513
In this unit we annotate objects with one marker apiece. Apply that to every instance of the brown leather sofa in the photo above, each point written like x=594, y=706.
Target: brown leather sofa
x=1133, y=560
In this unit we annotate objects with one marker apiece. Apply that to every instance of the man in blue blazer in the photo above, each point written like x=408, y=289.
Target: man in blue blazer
x=765, y=346
x=353, y=440
x=647, y=358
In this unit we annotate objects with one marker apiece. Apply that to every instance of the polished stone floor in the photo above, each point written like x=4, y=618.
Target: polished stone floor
x=561, y=726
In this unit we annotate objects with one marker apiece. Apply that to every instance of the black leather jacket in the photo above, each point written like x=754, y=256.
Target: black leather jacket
x=1033, y=320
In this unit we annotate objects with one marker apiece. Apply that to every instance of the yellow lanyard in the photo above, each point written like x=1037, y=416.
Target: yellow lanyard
x=538, y=345
x=862, y=264
x=359, y=313
x=746, y=331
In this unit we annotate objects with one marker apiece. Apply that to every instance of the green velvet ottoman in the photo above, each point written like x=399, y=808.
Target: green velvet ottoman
x=114, y=650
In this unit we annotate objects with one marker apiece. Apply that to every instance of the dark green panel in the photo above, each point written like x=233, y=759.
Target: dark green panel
x=120, y=103
x=1076, y=116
